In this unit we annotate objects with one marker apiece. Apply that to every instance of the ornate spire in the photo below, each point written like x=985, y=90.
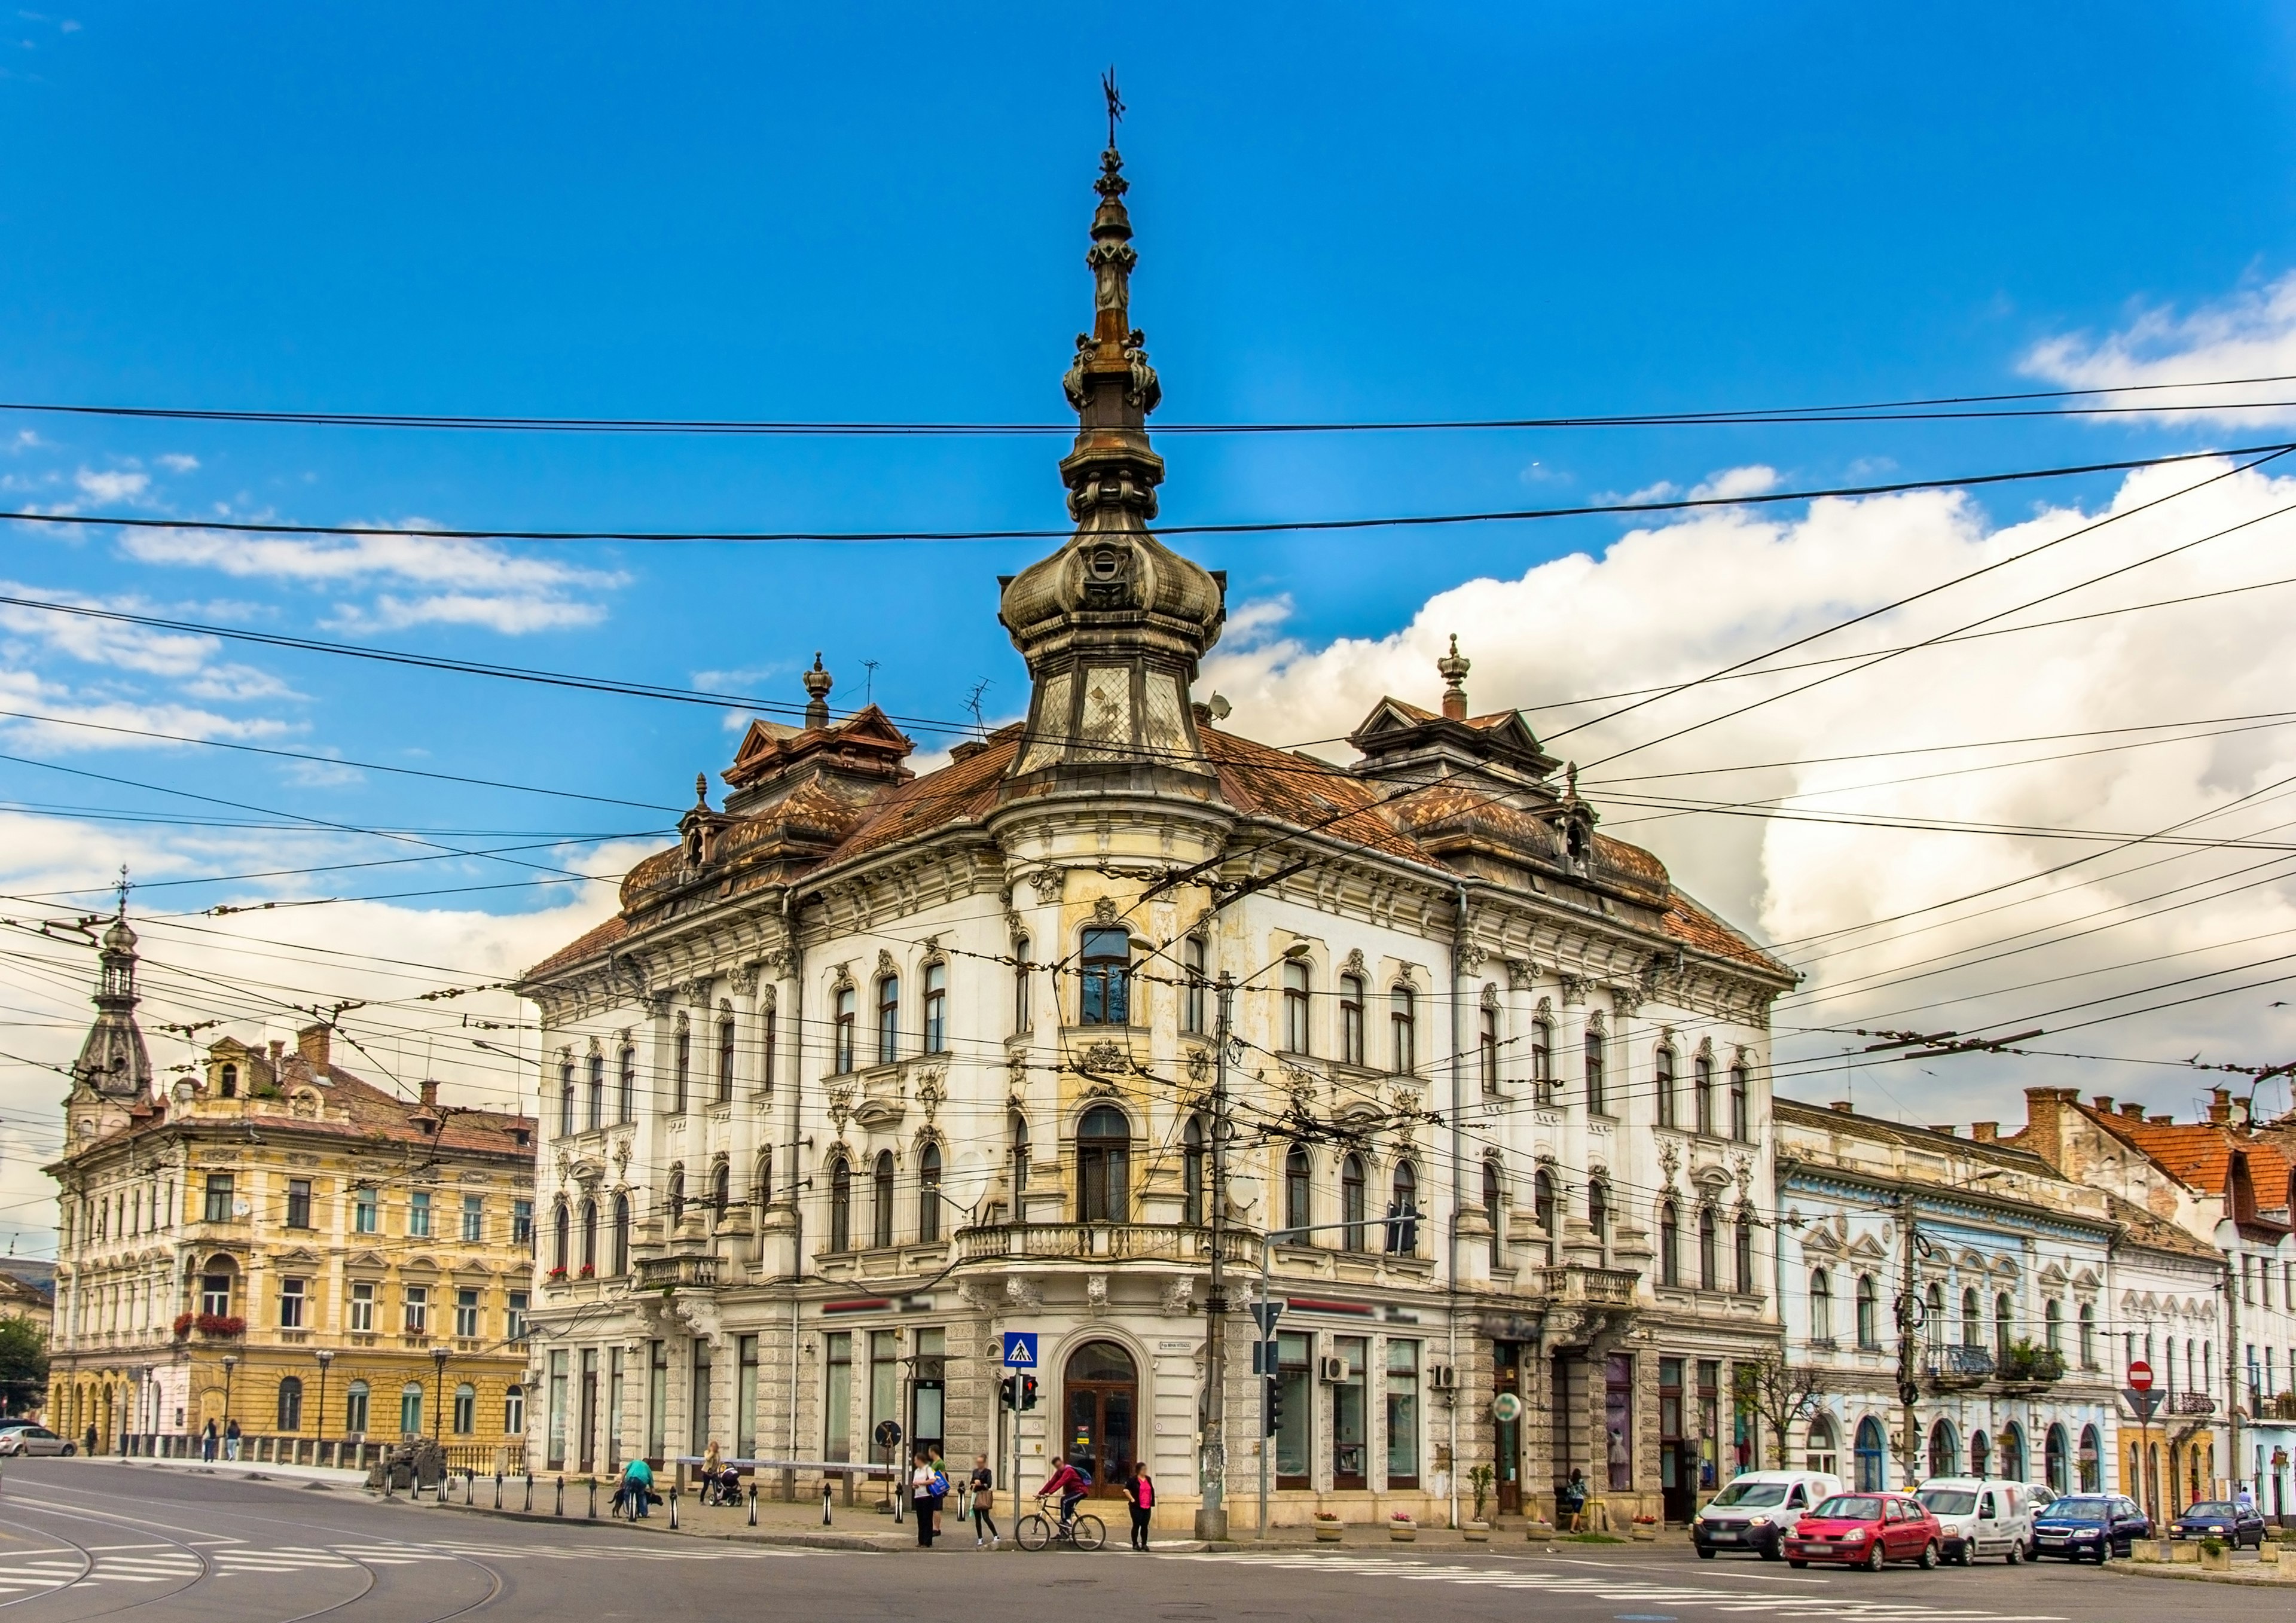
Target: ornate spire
x=817, y=684
x=1453, y=669
x=113, y=1060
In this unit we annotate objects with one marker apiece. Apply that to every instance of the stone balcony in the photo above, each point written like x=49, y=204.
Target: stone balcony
x=1102, y=1243
x=659, y=1273
x=1575, y=1286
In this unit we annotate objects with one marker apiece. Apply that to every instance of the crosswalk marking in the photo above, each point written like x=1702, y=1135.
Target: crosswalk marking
x=1640, y=1590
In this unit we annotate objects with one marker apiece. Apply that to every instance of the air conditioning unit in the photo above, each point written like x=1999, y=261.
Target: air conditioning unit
x=1333, y=1371
x=1442, y=1377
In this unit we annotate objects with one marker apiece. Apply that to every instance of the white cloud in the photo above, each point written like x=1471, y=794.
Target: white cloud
x=113, y=486
x=2252, y=334
x=1667, y=603
x=176, y=462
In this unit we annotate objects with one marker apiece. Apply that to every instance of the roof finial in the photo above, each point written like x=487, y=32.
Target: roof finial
x=817, y=684
x=1453, y=669
x=702, y=791
x=123, y=887
x=1115, y=103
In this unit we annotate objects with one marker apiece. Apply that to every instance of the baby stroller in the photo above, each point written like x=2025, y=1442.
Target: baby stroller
x=724, y=1489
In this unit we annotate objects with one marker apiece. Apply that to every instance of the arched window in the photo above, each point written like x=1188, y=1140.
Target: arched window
x=1972, y=1320
x=676, y=1193
x=2054, y=1463
x=1869, y=1304
x=1494, y=1210
x=621, y=1254
x=726, y=1060
x=1598, y=1215
x=1821, y=1307
x=1021, y=1015
x=1296, y=1212
x=1351, y=1201
x=2052, y=1325
x=2088, y=1336
x=1670, y=1245
x=566, y=1100
x=1193, y=960
x=1192, y=1172
x=1104, y=1154
x=1020, y=1133
x=1934, y=1315
x=230, y=1076
x=1295, y=1007
x=681, y=1068
x=1544, y=1208
x=2012, y=1453
x=594, y=1116
x=935, y=1008
x=1487, y=1049
x=842, y=1006
x=880, y=1201
x=1352, y=1021
x=1741, y=1123
x=766, y=1030
x=1542, y=1061
x=589, y=1236
x=1945, y=1449
x=889, y=1018
x=840, y=1205
x=1403, y=1233
x=929, y=1195
x=1742, y=1246
x=626, y=1100
x=290, y=1404
x=1981, y=1454
x=721, y=1190
x=1710, y=1249
x=1823, y=1451
x=2004, y=1325
x=466, y=1409
x=514, y=1410
x=1872, y=1456
x=355, y=1414
x=1106, y=963
x=1662, y=1084
x=1701, y=1079
x=761, y=1186
x=410, y=1409
x=2090, y=1462
x=1403, y=1017
x=562, y=1232
x=1598, y=1100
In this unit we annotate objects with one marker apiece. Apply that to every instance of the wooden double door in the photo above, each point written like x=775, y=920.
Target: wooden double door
x=1100, y=1409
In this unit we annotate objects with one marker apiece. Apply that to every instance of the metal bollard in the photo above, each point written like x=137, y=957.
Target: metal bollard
x=592, y=1513
x=529, y=1491
x=558, y=1509
x=828, y=1497
x=673, y=1509
x=498, y=1490
x=753, y=1505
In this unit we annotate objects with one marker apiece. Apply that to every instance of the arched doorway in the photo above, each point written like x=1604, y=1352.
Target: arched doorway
x=1945, y=1449
x=2052, y=1460
x=1871, y=1477
x=1100, y=1403
x=2012, y=1452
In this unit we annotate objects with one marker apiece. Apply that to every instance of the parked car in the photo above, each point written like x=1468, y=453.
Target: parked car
x=2090, y=1527
x=35, y=1439
x=1980, y=1516
x=1867, y=1530
x=2220, y=1518
x=2041, y=1494
x=1754, y=1511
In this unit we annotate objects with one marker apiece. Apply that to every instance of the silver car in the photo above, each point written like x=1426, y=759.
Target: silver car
x=34, y=1439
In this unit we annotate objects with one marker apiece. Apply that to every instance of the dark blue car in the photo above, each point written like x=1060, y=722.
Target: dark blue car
x=2220, y=1518
x=2089, y=1526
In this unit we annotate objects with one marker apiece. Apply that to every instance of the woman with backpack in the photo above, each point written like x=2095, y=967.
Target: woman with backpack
x=1140, y=1493
x=921, y=1497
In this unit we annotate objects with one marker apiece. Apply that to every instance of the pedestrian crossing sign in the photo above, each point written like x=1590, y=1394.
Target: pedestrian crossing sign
x=1020, y=1349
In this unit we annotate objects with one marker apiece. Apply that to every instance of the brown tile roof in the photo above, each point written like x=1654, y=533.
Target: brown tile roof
x=959, y=791
x=2158, y=1233
x=590, y=941
x=1305, y=792
x=2198, y=1154
x=1692, y=925
x=1815, y=1118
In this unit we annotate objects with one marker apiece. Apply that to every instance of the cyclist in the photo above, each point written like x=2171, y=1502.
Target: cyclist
x=1072, y=1484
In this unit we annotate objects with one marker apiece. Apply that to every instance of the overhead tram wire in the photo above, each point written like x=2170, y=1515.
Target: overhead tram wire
x=1253, y=526
x=1935, y=405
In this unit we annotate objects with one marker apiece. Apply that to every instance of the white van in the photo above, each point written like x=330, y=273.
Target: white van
x=1756, y=1511
x=1982, y=1516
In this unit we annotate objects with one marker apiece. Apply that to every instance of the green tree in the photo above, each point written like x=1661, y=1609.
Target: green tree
x=23, y=1366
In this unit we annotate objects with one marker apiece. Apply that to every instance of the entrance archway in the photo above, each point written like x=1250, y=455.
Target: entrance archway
x=1100, y=1406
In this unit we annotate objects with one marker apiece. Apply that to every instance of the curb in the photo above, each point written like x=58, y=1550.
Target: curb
x=2184, y=1575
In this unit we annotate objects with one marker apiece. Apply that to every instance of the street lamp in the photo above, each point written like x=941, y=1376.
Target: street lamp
x=438, y=1357
x=229, y=1364
x=319, y=1421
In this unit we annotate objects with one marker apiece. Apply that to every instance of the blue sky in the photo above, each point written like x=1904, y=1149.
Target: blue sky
x=880, y=212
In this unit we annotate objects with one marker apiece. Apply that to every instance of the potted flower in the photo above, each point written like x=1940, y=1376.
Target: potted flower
x=1645, y=1528
x=184, y=1322
x=1478, y=1530
x=2216, y=1555
x=588, y=1271
x=557, y=1275
x=1327, y=1526
x=1402, y=1527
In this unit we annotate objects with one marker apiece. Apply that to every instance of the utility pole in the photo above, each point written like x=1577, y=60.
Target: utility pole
x=1212, y=1517
x=1909, y=1317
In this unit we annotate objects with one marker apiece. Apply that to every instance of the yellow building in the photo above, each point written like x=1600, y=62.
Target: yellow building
x=282, y=1245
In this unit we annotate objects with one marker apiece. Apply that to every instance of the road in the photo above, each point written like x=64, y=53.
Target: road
x=84, y=1541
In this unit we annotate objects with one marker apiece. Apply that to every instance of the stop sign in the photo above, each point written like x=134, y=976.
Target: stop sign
x=2140, y=1376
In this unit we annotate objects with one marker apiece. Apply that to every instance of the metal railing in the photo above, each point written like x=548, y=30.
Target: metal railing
x=1959, y=1362
x=655, y=1271
x=1101, y=1243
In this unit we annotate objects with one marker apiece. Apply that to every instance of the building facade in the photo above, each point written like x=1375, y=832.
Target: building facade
x=280, y=1243
x=872, y=1068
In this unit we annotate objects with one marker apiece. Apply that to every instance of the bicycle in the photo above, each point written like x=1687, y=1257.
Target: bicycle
x=1037, y=1529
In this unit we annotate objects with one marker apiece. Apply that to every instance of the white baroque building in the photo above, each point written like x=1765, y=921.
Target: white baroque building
x=872, y=1067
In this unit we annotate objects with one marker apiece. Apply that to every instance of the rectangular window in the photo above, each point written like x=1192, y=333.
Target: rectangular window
x=657, y=1399
x=844, y=1056
x=215, y=1295
x=514, y=1317
x=884, y=1380
x=298, y=1203
x=1598, y=1102
x=218, y=1204
x=1294, y=1428
x=1295, y=1008
x=1351, y=1020
x=614, y=1373
x=1404, y=1018
x=1020, y=1012
x=362, y=1307
x=1192, y=967
x=1350, y=1422
x=466, y=1315
x=474, y=1219
x=745, y=1400
x=522, y=1223
x=1542, y=1062
x=555, y=1457
x=1617, y=1419
x=366, y=1211
x=1402, y=1415
x=935, y=1008
x=1106, y=964
x=290, y=1303
x=681, y=1071
x=625, y=1096
x=699, y=1431
x=418, y=1310
x=418, y=1215
x=837, y=1396
x=1665, y=1086
x=725, y=1052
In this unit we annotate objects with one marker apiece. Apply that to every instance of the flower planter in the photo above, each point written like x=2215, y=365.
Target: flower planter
x=1403, y=1530
x=2269, y=1553
x=2216, y=1560
x=1645, y=1532
x=1536, y=1528
x=1476, y=1532
x=1327, y=1529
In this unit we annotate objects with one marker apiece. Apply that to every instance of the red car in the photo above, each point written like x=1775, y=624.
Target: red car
x=1867, y=1530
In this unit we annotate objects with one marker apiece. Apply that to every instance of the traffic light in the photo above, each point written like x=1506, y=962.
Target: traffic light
x=1271, y=1404
x=1028, y=1391
x=1402, y=1229
x=1008, y=1392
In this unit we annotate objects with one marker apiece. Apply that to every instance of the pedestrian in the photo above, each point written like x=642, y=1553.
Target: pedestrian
x=940, y=1485
x=231, y=1440
x=1573, y=1502
x=635, y=1493
x=920, y=1497
x=984, y=1501
x=207, y=1441
x=1140, y=1492
x=89, y=1447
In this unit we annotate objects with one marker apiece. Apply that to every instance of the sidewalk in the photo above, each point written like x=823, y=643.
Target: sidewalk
x=254, y=1470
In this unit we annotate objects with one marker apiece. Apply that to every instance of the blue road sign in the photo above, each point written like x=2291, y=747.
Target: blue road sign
x=1020, y=1349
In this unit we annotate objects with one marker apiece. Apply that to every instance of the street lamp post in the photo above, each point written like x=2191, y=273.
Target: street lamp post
x=438, y=1357
x=229, y=1364
x=319, y=1421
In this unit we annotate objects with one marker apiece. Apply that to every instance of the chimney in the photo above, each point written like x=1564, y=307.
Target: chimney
x=2132, y=1110
x=2242, y=1115
x=312, y=1041
x=2104, y=1104
x=430, y=1092
x=1845, y=1106
x=2047, y=1112
x=1946, y=1127
x=278, y=1054
x=1985, y=1132
x=2159, y=1121
x=2220, y=1107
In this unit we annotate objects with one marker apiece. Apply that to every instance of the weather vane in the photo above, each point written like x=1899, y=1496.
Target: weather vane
x=1115, y=103
x=123, y=887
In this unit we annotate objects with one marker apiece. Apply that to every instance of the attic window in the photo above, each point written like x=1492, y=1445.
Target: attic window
x=518, y=1137
x=230, y=1080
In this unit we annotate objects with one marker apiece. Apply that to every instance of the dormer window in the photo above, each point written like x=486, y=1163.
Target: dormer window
x=229, y=1080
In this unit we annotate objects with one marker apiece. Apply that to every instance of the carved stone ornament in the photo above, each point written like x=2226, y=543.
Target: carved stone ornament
x=1026, y=1294
x=885, y=965
x=1095, y=1294
x=1742, y=1173
x=979, y=1297
x=1048, y=884
x=1105, y=1057
x=657, y=1002
x=1302, y=1086
x=840, y=1105
x=930, y=1090
x=1104, y=911
x=696, y=991
x=744, y=980
x=1574, y=990
x=1199, y=1064
x=1626, y=1000
x=1179, y=1295
x=1354, y=963
x=780, y=964
x=1520, y=974
x=1406, y=1100
x=1669, y=1160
